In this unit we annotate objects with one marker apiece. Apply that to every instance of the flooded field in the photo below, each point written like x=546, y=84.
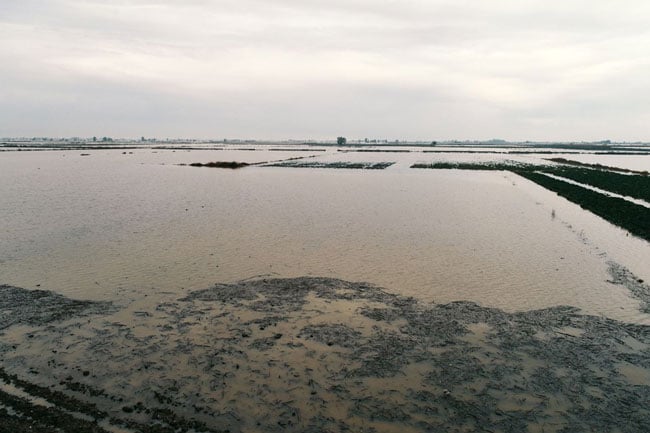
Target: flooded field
x=318, y=299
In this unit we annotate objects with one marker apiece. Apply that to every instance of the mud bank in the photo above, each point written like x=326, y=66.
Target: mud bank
x=326, y=355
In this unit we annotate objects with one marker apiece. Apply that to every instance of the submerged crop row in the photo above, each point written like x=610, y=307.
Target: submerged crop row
x=596, y=166
x=503, y=166
x=618, y=211
x=636, y=186
x=220, y=164
x=631, y=185
x=625, y=214
x=353, y=165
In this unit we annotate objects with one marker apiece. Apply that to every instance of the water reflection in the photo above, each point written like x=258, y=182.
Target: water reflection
x=111, y=225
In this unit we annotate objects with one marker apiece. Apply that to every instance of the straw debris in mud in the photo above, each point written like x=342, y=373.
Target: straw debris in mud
x=321, y=354
x=40, y=307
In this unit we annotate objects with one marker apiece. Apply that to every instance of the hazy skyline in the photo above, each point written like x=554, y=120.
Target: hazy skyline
x=442, y=69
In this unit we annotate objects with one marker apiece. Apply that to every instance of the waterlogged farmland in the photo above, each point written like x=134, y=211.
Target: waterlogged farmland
x=151, y=289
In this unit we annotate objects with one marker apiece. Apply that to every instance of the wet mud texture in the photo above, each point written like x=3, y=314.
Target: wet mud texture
x=638, y=288
x=40, y=307
x=326, y=355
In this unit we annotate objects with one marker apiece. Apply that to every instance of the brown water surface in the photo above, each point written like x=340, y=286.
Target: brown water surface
x=315, y=354
x=110, y=226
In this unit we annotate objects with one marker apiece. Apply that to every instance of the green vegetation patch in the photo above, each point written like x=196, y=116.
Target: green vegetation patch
x=631, y=185
x=376, y=150
x=637, y=186
x=497, y=166
x=349, y=165
x=632, y=217
x=220, y=164
x=597, y=166
x=623, y=213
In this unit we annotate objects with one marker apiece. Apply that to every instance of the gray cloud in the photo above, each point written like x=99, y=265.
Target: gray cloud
x=250, y=68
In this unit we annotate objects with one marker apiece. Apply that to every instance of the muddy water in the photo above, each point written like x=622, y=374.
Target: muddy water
x=312, y=354
x=114, y=226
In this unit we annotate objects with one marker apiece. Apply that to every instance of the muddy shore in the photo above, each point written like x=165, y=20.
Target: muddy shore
x=316, y=355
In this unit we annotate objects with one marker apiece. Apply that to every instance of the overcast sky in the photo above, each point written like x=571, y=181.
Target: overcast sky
x=276, y=69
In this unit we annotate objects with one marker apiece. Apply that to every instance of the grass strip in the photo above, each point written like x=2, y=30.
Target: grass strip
x=220, y=164
x=503, y=166
x=597, y=166
x=348, y=165
x=630, y=185
x=636, y=186
x=620, y=212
